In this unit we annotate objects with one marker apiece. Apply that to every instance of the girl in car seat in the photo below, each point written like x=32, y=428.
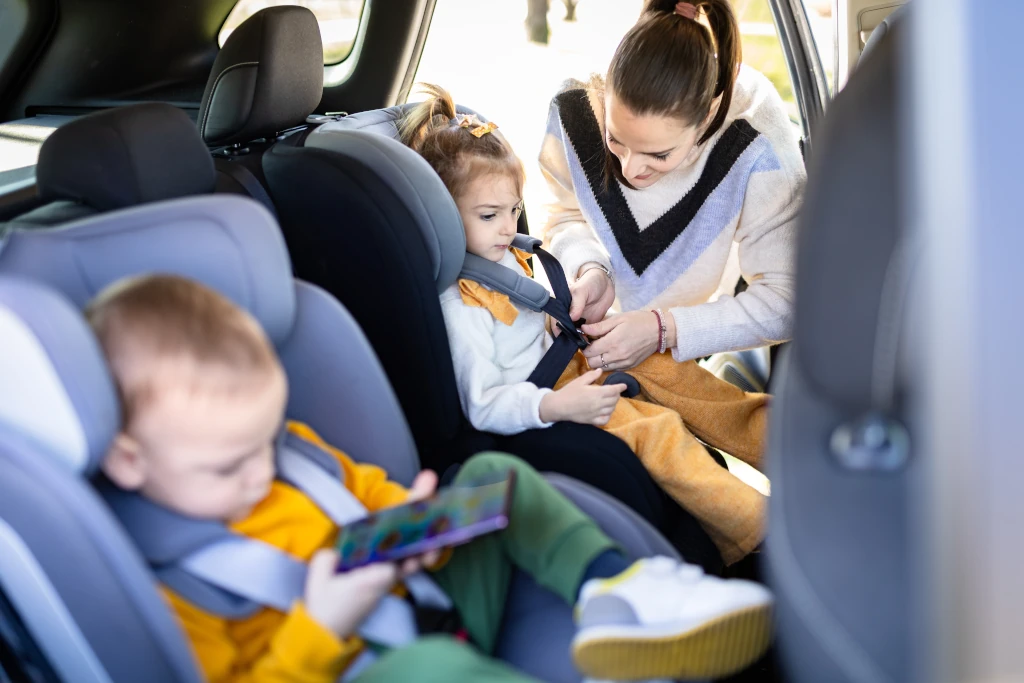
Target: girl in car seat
x=496, y=345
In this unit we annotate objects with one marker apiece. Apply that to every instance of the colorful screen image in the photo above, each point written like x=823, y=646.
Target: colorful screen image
x=453, y=516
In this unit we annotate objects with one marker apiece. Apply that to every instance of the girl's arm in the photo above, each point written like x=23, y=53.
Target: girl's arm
x=490, y=405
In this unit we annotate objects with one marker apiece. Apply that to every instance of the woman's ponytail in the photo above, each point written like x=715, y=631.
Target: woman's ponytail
x=677, y=59
x=726, y=32
x=435, y=112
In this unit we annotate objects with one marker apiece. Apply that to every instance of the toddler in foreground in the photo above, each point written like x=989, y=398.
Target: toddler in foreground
x=204, y=398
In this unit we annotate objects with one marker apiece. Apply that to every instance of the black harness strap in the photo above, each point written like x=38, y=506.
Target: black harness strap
x=554, y=362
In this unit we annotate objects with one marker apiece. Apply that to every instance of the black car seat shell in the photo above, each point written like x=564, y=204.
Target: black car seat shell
x=337, y=385
x=841, y=452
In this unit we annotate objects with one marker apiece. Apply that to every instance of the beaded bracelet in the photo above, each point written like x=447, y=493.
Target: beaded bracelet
x=662, y=330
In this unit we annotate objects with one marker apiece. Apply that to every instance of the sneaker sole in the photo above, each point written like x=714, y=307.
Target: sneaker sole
x=715, y=649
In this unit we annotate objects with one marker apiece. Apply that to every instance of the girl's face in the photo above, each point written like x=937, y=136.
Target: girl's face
x=648, y=147
x=490, y=208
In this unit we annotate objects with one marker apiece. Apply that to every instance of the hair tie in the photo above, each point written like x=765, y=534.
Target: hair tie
x=686, y=9
x=478, y=129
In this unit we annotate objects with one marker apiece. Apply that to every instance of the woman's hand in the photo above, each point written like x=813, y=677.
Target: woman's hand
x=622, y=341
x=592, y=295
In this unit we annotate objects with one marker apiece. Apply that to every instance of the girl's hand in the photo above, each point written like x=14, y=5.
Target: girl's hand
x=622, y=341
x=582, y=401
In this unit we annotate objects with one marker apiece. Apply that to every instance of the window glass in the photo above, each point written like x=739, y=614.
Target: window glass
x=762, y=49
x=338, y=19
x=823, y=28
x=488, y=61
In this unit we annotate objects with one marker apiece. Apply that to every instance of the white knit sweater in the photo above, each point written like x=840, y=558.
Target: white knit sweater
x=669, y=245
x=493, y=360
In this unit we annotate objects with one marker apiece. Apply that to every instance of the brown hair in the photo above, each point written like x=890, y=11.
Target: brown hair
x=156, y=327
x=669, y=65
x=452, y=150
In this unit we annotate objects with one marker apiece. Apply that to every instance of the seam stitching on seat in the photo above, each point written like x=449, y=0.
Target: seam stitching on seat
x=213, y=93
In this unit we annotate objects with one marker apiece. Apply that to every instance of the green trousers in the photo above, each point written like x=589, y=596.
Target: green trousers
x=548, y=537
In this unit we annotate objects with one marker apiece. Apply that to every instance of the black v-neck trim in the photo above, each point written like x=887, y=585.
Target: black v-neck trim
x=640, y=249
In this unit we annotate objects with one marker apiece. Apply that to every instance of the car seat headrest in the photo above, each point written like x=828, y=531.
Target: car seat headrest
x=125, y=157
x=230, y=243
x=57, y=391
x=379, y=121
x=268, y=77
x=413, y=182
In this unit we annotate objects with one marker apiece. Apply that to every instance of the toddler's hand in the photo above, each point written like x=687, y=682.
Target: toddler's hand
x=582, y=401
x=340, y=602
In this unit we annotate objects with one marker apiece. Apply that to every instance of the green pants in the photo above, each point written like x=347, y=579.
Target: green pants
x=548, y=537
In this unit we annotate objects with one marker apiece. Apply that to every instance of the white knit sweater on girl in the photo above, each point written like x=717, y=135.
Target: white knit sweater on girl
x=493, y=360
x=669, y=245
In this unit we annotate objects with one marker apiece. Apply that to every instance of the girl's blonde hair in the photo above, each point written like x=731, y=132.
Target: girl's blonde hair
x=433, y=129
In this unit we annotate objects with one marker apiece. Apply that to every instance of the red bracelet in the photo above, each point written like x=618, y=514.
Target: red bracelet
x=662, y=331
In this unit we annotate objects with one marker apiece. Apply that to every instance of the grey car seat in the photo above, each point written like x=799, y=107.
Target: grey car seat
x=841, y=452
x=118, y=158
x=76, y=600
x=337, y=385
x=369, y=221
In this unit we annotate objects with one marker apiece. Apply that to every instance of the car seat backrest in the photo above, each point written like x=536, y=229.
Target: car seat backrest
x=368, y=220
x=233, y=245
x=841, y=453
x=81, y=596
x=118, y=158
x=268, y=77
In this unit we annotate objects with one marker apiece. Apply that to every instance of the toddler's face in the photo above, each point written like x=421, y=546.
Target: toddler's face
x=490, y=208
x=206, y=455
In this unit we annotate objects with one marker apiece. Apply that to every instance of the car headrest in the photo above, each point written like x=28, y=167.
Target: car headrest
x=379, y=121
x=57, y=391
x=125, y=157
x=268, y=77
x=412, y=180
x=227, y=242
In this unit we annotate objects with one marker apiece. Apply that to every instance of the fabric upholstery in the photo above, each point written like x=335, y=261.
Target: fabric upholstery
x=840, y=538
x=268, y=77
x=123, y=157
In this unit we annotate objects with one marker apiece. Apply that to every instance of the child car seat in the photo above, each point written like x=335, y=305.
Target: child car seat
x=337, y=386
x=77, y=602
x=369, y=221
x=841, y=450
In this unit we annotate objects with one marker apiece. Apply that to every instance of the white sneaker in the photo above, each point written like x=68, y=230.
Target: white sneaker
x=666, y=619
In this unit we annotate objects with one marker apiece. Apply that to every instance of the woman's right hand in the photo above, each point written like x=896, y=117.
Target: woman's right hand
x=582, y=401
x=592, y=295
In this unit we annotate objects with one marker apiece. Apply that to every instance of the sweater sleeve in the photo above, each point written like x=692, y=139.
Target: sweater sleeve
x=490, y=405
x=567, y=234
x=766, y=241
x=300, y=651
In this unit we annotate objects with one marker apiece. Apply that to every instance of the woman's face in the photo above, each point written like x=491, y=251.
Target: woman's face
x=649, y=146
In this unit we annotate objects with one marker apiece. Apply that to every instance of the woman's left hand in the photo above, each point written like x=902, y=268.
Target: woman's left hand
x=622, y=341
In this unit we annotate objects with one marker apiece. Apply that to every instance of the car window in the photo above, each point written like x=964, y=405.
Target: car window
x=338, y=19
x=823, y=28
x=762, y=49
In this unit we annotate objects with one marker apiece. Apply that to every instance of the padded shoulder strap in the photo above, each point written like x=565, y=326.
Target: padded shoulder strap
x=317, y=473
x=524, y=291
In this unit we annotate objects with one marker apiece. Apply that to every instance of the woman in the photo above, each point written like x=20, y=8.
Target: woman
x=677, y=159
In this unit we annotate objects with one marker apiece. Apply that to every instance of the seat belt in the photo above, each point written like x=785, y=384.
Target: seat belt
x=531, y=294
